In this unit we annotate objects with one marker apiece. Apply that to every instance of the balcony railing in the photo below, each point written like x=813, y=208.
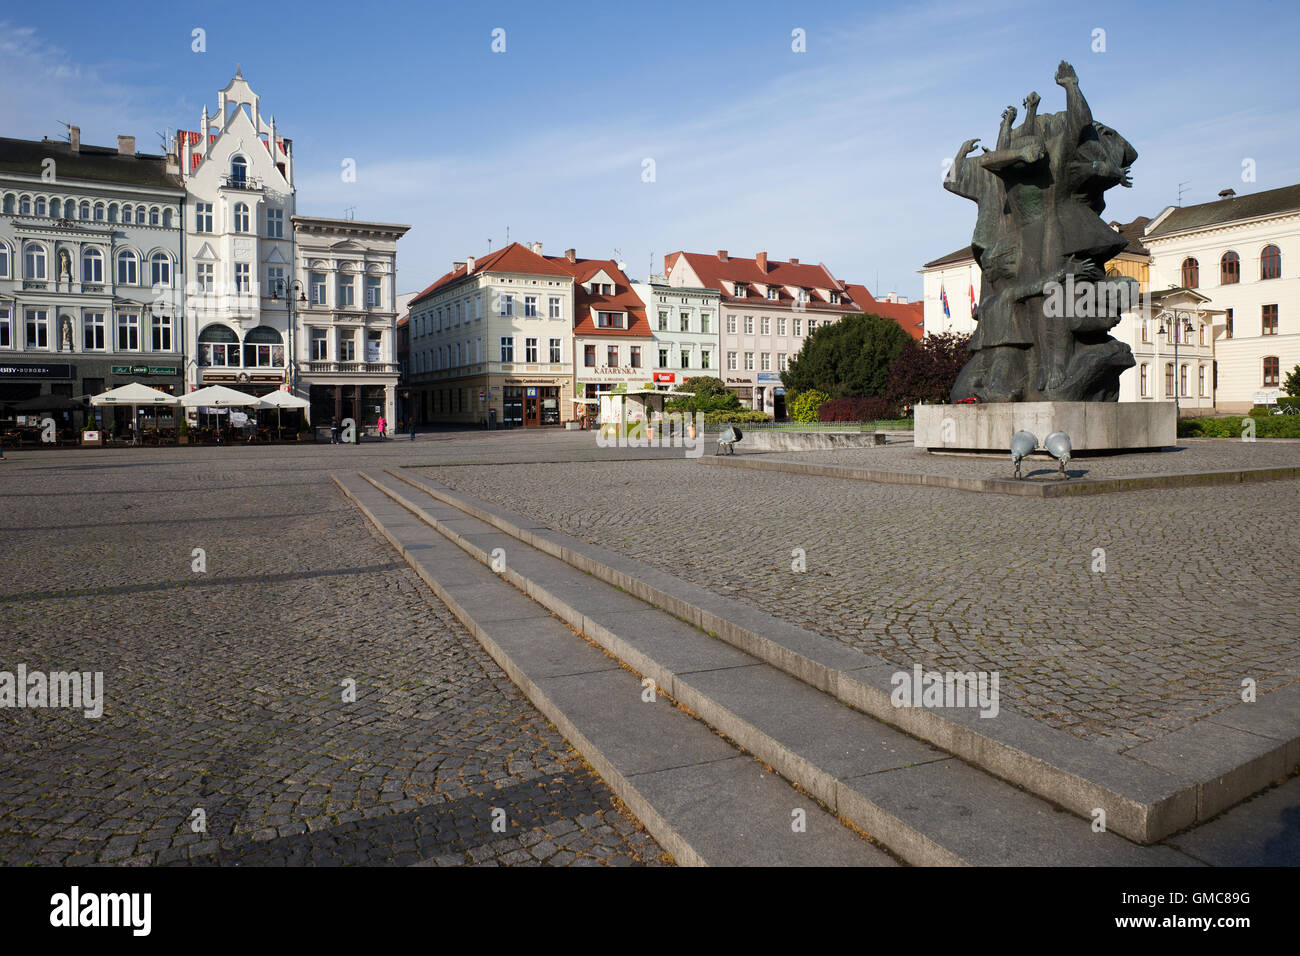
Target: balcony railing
x=354, y=368
x=248, y=183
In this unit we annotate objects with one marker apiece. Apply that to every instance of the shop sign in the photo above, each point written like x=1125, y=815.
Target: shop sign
x=769, y=378
x=669, y=377
x=530, y=392
x=35, y=371
x=732, y=380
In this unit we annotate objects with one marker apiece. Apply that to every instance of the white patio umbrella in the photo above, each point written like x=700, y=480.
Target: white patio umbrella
x=135, y=395
x=218, y=396
x=280, y=399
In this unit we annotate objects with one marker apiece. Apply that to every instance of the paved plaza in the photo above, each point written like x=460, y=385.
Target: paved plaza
x=224, y=687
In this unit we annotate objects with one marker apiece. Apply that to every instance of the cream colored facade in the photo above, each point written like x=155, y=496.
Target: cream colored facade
x=1240, y=352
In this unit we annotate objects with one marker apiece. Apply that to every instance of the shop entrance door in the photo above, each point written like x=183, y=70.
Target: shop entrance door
x=532, y=408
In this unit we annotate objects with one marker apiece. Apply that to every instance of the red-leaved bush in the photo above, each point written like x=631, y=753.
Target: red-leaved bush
x=858, y=408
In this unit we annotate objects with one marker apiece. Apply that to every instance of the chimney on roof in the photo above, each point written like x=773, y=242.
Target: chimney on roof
x=126, y=145
x=469, y=263
x=794, y=262
x=1227, y=193
x=722, y=255
x=571, y=255
x=761, y=259
x=536, y=247
x=74, y=138
x=458, y=267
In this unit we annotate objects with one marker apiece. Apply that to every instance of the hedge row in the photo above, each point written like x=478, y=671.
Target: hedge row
x=860, y=408
x=1274, y=426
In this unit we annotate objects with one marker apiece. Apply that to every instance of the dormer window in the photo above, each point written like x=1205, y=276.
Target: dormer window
x=835, y=298
x=238, y=171
x=773, y=292
x=609, y=320
x=740, y=290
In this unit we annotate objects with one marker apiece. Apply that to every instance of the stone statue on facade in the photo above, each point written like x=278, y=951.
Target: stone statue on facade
x=1046, y=306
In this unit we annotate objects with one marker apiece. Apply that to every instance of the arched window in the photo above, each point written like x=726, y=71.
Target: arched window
x=56, y=209
x=1143, y=379
x=1169, y=380
x=92, y=266
x=1229, y=268
x=167, y=218
x=25, y=206
x=40, y=205
x=128, y=268
x=139, y=215
x=33, y=261
x=160, y=269
x=126, y=214
x=84, y=211
x=263, y=348
x=1270, y=263
x=4, y=261
x=153, y=216
x=112, y=212
x=1191, y=273
x=1271, y=370
x=100, y=212
x=218, y=345
x=241, y=217
x=238, y=171
x=9, y=204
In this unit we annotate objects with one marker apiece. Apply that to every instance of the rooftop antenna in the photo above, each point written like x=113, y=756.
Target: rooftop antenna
x=489, y=245
x=67, y=130
x=507, y=235
x=350, y=213
x=164, y=139
x=1181, y=190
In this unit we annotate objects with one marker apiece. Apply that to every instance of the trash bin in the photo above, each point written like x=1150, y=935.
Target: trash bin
x=492, y=419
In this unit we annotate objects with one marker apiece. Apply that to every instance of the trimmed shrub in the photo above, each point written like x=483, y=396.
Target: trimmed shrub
x=858, y=408
x=803, y=406
x=740, y=417
x=1274, y=426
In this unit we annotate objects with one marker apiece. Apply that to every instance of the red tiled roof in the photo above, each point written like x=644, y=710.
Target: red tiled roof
x=713, y=272
x=909, y=315
x=516, y=258
x=585, y=303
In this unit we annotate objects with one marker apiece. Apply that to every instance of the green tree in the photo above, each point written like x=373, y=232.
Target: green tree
x=803, y=405
x=1291, y=385
x=708, y=395
x=848, y=357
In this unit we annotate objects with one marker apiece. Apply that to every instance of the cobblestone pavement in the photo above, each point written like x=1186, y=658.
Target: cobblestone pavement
x=1192, y=599
x=1206, y=454
x=224, y=689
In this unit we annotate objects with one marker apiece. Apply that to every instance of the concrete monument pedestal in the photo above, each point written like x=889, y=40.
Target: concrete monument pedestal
x=1092, y=426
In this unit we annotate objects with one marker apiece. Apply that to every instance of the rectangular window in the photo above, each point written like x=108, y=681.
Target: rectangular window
x=589, y=356
x=780, y=326
x=611, y=356
x=347, y=346
x=749, y=325
x=731, y=361
x=554, y=307
x=160, y=333
x=1268, y=314
x=1272, y=371
x=318, y=288
x=765, y=361
x=1227, y=331
x=765, y=326
x=609, y=320
x=731, y=325
x=274, y=281
x=1169, y=380
x=1200, y=380
x=1146, y=330
x=780, y=361
x=704, y=323
x=345, y=299
x=6, y=337
x=241, y=277
x=202, y=217
x=1142, y=380
x=505, y=304
x=686, y=356
x=663, y=358
x=704, y=359
x=749, y=361
x=798, y=327
x=812, y=324
x=507, y=348
x=556, y=352
x=275, y=224
x=92, y=335
x=686, y=321
x=530, y=350
x=128, y=332
x=38, y=329
x=530, y=307
x=663, y=321
x=319, y=345
x=373, y=293
x=635, y=360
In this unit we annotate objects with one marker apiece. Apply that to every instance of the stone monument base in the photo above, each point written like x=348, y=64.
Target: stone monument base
x=1092, y=426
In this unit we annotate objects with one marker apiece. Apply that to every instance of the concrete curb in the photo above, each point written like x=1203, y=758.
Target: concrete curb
x=1009, y=486
x=1146, y=796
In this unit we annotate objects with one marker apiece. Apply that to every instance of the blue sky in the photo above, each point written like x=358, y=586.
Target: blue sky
x=832, y=155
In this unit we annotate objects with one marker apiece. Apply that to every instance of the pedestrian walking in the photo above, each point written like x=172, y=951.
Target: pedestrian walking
x=383, y=427
x=411, y=424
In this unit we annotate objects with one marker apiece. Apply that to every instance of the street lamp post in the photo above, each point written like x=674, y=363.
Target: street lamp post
x=1182, y=323
x=290, y=288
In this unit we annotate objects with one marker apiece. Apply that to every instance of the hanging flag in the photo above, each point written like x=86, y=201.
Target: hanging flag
x=972, y=297
x=943, y=297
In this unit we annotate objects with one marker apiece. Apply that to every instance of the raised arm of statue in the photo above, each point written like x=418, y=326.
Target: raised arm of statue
x=1077, y=114
x=1004, y=131
x=961, y=176
x=1002, y=159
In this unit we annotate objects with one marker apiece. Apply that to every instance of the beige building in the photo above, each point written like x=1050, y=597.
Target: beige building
x=492, y=341
x=346, y=305
x=1242, y=255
